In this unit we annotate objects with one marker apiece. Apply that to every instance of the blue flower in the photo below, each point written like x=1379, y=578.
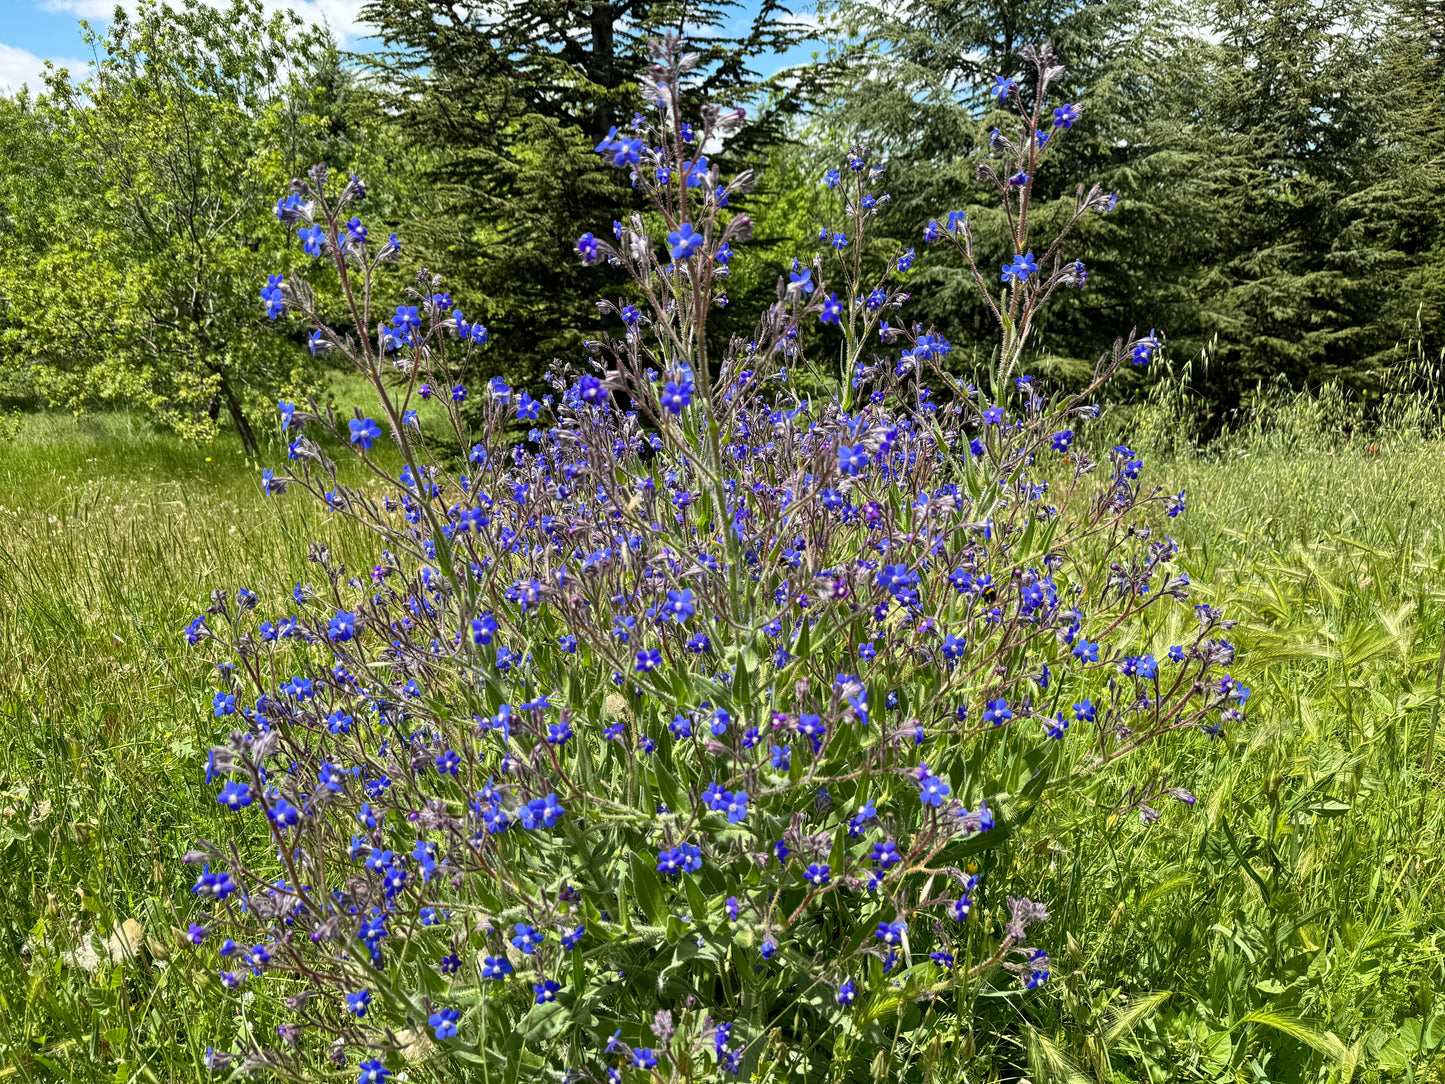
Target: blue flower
x=644, y=1057
x=817, y=874
x=684, y=858
x=695, y=172
x=546, y=990
x=372, y=1072
x=684, y=241
x=589, y=248
x=832, y=309
x=235, y=796
x=847, y=993
x=1144, y=349
x=484, y=627
x=1039, y=973
x=885, y=854
x=1085, y=651
x=933, y=790
x=591, y=390
x=831, y=178
x=526, y=939
x=890, y=933
x=313, y=239
x=648, y=660
x=272, y=295
x=803, y=280
x=1019, y=271
x=283, y=814
x=1063, y=439
x=496, y=967
x=342, y=627
x=1002, y=86
x=861, y=818
x=852, y=459
x=1065, y=115
x=627, y=152
x=735, y=805
x=675, y=396
x=443, y=1022
x=782, y=757
x=541, y=813
x=996, y=712
x=769, y=948
x=364, y=431
x=573, y=939
x=528, y=408
x=358, y=1003
x=289, y=207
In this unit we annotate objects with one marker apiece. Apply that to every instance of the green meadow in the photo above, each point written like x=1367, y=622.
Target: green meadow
x=1286, y=927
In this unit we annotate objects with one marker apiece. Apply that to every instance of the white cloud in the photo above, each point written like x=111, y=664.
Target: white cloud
x=341, y=15
x=82, y=9
x=17, y=67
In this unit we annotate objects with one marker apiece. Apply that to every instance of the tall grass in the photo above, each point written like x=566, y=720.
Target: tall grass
x=1285, y=929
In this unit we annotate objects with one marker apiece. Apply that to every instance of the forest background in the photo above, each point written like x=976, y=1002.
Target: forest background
x=1278, y=165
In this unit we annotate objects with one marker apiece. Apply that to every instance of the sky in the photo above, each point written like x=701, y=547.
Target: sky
x=34, y=31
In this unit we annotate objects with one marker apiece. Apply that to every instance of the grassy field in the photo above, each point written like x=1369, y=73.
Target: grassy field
x=1287, y=928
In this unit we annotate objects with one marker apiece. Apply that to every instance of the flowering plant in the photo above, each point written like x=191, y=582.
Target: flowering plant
x=686, y=735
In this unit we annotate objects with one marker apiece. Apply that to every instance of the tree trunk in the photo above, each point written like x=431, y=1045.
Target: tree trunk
x=238, y=418
x=603, y=46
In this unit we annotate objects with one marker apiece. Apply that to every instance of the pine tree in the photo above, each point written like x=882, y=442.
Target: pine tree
x=508, y=101
x=916, y=83
x=1278, y=164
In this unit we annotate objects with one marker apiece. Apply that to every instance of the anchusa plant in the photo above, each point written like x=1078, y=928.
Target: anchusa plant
x=689, y=733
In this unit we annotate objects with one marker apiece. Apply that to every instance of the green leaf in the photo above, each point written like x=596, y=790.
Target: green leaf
x=648, y=890
x=696, y=901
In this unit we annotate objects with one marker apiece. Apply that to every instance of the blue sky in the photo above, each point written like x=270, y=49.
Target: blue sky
x=33, y=31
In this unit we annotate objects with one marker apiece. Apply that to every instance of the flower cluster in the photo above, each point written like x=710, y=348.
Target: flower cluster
x=693, y=717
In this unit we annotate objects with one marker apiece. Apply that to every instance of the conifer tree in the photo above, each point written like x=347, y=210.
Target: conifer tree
x=508, y=101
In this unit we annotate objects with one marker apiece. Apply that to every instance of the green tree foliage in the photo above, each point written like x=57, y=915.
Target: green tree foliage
x=916, y=83
x=1310, y=198
x=140, y=219
x=506, y=101
x=1278, y=165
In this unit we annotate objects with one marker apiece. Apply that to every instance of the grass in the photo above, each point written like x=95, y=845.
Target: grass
x=1286, y=928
